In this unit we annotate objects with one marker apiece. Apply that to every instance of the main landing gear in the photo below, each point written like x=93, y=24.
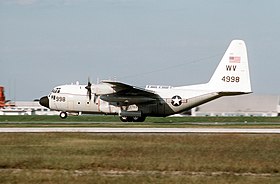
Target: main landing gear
x=132, y=119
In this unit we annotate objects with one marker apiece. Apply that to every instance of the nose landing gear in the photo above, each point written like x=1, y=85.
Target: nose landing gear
x=63, y=115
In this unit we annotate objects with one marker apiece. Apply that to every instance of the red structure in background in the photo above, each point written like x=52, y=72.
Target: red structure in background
x=3, y=101
x=2, y=97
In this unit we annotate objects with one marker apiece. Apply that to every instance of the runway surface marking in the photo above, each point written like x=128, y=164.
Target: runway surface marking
x=144, y=130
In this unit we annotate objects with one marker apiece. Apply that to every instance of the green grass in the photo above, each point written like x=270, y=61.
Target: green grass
x=136, y=158
x=113, y=121
x=104, y=118
x=34, y=118
x=149, y=158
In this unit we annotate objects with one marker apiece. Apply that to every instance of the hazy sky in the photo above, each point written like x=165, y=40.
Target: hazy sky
x=45, y=43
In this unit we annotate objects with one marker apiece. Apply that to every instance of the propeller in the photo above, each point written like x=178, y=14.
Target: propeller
x=88, y=87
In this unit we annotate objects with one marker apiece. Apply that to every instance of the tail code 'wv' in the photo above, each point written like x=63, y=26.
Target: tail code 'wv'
x=232, y=74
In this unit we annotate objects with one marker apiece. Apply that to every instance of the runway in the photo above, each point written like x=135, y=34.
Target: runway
x=143, y=130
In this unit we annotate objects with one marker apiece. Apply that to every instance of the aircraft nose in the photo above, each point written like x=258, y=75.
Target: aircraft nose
x=44, y=101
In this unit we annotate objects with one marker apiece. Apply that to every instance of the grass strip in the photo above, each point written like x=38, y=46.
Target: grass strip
x=113, y=121
x=122, y=158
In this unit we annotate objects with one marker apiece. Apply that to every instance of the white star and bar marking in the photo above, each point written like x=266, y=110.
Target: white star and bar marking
x=176, y=100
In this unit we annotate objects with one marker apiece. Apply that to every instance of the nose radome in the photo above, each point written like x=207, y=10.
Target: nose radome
x=44, y=101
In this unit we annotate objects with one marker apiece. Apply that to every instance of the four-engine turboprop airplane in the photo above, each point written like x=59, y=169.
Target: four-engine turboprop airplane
x=135, y=104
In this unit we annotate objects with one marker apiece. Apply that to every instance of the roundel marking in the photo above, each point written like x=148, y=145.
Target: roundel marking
x=176, y=100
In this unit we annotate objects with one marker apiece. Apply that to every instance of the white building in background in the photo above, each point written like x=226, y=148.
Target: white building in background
x=245, y=105
x=27, y=108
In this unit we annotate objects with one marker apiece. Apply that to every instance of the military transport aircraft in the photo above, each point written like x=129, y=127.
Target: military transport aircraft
x=134, y=104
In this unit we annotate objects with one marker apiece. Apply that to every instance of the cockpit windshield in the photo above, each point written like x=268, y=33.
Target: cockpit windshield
x=56, y=90
x=53, y=92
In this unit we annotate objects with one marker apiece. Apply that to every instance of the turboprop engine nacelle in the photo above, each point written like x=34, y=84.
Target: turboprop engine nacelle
x=102, y=89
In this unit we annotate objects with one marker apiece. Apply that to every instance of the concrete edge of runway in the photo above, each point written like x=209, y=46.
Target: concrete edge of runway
x=142, y=130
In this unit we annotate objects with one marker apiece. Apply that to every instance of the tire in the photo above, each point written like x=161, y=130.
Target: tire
x=123, y=118
x=63, y=115
x=141, y=119
x=132, y=119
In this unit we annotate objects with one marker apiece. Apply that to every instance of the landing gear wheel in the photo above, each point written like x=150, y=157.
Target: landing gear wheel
x=63, y=115
x=127, y=119
x=132, y=119
x=141, y=119
x=124, y=118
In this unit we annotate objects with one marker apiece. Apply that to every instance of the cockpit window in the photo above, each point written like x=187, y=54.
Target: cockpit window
x=56, y=90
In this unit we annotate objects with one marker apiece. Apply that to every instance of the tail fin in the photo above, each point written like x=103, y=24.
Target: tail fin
x=232, y=74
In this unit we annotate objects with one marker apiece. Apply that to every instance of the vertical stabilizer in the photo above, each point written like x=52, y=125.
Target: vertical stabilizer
x=232, y=74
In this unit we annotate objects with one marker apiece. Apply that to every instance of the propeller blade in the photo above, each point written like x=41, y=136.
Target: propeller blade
x=88, y=87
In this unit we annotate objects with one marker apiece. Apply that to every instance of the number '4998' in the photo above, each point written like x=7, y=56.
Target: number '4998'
x=231, y=79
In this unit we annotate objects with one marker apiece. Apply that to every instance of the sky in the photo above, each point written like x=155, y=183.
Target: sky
x=46, y=43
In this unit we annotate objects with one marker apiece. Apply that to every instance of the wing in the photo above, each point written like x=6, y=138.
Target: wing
x=127, y=94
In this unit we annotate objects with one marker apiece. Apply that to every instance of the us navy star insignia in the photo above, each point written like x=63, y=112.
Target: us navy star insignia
x=176, y=101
